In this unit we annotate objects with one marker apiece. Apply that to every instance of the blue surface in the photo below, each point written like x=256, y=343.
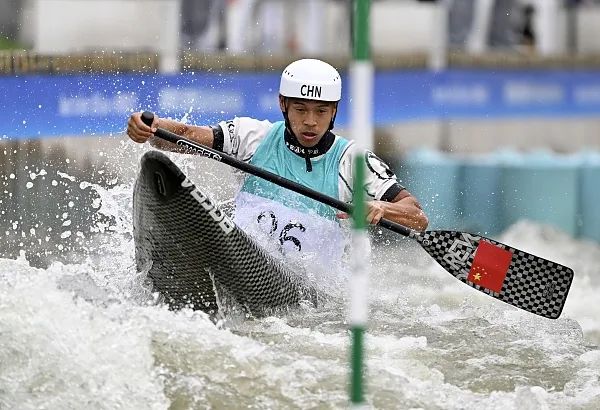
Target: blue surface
x=590, y=197
x=488, y=193
x=435, y=180
x=56, y=105
x=480, y=195
x=541, y=187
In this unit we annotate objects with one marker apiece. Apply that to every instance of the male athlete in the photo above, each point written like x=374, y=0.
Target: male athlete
x=301, y=148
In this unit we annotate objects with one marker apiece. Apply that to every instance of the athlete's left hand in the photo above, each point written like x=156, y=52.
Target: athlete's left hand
x=404, y=210
x=375, y=212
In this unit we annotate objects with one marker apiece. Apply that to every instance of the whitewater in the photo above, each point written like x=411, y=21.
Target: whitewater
x=80, y=328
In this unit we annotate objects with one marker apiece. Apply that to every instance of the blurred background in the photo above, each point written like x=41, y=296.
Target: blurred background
x=489, y=110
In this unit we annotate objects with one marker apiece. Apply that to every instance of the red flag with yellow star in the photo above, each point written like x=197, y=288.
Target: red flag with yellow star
x=490, y=266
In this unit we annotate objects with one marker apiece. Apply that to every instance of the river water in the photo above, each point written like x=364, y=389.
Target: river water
x=79, y=328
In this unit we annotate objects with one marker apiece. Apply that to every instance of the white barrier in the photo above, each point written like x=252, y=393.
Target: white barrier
x=69, y=26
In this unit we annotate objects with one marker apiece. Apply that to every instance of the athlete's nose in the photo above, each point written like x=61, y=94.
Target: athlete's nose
x=310, y=119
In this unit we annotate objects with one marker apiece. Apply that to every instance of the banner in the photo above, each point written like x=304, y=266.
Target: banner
x=99, y=104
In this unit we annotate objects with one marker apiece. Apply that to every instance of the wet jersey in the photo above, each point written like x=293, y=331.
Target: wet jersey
x=241, y=136
x=273, y=155
x=297, y=222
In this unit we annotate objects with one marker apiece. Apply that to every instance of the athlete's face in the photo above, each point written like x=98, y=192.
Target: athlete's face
x=309, y=119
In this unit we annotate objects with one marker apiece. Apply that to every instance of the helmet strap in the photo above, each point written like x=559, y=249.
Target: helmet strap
x=288, y=125
x=333, y=118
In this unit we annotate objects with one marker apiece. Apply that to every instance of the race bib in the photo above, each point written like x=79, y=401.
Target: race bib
x=296, y=234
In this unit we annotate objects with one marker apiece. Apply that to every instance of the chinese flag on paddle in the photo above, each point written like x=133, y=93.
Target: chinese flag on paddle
x=490, y=266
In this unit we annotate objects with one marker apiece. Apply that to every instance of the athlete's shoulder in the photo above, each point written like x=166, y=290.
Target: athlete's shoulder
x=379, y=177
x=245, y=125
x=242, y=135
x=375, y=165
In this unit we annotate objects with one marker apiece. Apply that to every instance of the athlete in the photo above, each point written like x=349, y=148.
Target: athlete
x=301, y=148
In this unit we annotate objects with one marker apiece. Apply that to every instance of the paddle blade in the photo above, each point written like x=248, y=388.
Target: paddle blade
x=518, y=278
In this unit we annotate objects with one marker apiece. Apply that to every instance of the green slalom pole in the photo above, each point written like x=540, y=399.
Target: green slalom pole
x=359, y=281
x=361, y=85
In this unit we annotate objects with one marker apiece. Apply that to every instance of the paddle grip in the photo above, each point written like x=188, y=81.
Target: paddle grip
x=147, y=118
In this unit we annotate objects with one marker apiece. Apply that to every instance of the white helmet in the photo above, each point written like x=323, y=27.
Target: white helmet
x=311, y=79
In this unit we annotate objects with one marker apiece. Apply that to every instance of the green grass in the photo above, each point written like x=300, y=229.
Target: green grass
x=6, y=44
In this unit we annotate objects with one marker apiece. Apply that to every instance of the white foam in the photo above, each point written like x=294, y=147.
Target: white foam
x=90, y=334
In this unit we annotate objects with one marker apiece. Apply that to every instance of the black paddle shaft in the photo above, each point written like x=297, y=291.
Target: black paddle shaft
x=531, y=283
x=190, y=146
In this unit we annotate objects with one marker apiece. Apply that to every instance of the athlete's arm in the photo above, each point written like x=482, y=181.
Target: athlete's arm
x=388, y=198
x=403, y=209
x=140, y=132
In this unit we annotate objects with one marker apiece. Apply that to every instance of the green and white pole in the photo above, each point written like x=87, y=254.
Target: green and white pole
x=361, y=86
x=361, y=77
x=359, y=281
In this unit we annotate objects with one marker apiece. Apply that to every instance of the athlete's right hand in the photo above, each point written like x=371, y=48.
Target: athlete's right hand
x=138, y=131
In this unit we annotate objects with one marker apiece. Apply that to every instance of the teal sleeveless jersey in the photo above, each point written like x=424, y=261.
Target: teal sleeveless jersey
x=273, y=155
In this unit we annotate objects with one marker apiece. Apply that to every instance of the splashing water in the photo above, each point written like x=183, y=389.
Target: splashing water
x=84, y=331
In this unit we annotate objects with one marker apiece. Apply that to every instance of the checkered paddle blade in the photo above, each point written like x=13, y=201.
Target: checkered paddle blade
x=518, y=278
